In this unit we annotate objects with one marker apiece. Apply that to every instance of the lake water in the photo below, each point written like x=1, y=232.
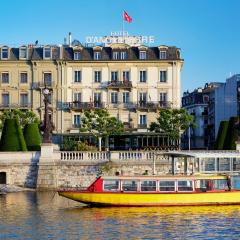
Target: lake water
x=45, y=215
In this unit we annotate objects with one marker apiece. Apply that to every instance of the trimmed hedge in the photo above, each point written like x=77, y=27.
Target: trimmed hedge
x=222, y=132
x=32, y=137
x=232, y=135
x=12, y=136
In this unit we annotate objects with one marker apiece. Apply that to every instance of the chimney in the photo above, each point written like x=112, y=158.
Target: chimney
x=70, y=39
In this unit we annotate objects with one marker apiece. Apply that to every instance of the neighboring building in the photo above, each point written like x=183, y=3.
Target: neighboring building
x=133, y=83
x=199, y=104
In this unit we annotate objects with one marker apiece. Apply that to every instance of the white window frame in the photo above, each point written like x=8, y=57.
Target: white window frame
x=6, y=93
x=124, y=95
x=49, y=82
x=78, y=123
x=21, y=77
x=114, y=97
x=97, y=55
x=141, y=117
x=46, y=49
x=161, y=75
x=186, y=180
x=125, y=72
x=23, y=104
x=26, y=51
x=162, y=54
x=77, y=55
x=141, y=75
x=167, y=180
x=116, y=75
x=164, y=97
x=143, y=55
x=2, y=78
x=7, y=50
x=97, y=77
x=123, y=55
x=77, y=97
x=115, y=55
x=112, y=190
x=79, y=76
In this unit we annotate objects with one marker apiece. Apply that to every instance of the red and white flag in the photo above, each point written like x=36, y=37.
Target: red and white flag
x=126, y=17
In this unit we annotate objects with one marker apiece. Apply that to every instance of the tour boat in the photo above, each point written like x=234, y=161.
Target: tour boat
x=158, y=191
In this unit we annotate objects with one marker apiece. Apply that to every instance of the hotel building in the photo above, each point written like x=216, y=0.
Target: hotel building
x=132, y=82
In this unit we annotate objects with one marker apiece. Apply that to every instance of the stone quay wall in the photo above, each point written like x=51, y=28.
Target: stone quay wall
x=55, y=169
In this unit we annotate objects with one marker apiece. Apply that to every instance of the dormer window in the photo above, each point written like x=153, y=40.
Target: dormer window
x=162, y=54
x=4, y=53
x=97, y=55
x=23, y=53
x=115, y=55
x=123, y=55
x=77, y=56
x=47, y=53
x=142, y=55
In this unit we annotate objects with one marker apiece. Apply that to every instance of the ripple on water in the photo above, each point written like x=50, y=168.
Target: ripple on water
x=47, y=216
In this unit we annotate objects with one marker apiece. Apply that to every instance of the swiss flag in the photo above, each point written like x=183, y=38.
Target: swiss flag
x=126, y=17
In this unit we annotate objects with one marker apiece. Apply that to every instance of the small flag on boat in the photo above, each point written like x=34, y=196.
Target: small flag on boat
x=126, y=17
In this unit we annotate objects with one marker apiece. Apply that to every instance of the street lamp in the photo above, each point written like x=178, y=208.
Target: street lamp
x=47, y=126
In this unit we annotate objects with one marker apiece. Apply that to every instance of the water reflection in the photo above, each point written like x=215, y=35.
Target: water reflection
x=47, y=216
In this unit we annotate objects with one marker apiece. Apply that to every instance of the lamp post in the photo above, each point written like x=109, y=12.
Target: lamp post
x=47, y=127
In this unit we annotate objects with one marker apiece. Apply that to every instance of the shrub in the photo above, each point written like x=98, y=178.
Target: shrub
x=232, y=135
x=12, y=136
x=222, y=132
x=32, y=137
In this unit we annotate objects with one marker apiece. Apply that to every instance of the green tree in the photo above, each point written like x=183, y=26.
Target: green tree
x=24, y=117
x=32, y=137
x=231, y=135
x=12, y=136
x=221, y=137
x=172, y=122
x=100, y=124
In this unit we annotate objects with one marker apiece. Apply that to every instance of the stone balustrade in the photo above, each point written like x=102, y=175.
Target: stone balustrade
x=85, y=156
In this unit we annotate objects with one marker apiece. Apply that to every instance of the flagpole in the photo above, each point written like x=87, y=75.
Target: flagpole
x=123, y=26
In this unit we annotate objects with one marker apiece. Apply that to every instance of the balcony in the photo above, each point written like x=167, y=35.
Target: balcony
x=15, y=106
x=142, y=126
x=120, y=84
x=80, y=105
x=40, y=85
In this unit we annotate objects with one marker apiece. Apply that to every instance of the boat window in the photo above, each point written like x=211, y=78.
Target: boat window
x=185, y=185
x=111, y=185
x=129, y=185
x=167, y=186
x=220, y=184
x=203, y=185
x=236, y=182
x=148, y=186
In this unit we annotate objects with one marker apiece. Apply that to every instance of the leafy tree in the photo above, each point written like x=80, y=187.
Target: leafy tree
x=12, y=136
x=221, y=137
x=231, y=135
x=24, y=117
x=172, y=122
x=100, y=124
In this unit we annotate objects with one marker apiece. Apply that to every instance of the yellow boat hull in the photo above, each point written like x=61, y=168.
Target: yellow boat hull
x=154, y=199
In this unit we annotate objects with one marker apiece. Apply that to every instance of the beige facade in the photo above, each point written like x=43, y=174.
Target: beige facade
x=132, y=89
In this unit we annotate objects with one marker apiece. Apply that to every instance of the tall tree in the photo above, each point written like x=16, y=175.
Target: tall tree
x=172, y=122
x=100, y=124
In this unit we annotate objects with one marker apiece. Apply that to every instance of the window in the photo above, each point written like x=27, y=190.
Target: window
x=114, y=76
x=203, y=185
x=220, y=184
x=4, y=53
x=143, y=120
x=47, y=78
x=163, y=76
x=143, y=55
x=143, y=76
x=5, y=99
x=23, y=53
x=23, y=99
x=115, y=55
x=163, y=54
x=123, y=55
x=110, y=185
x=142, y=98
x=185, y=185
x=23, y=77
x=148, y=186
x=5, y=77
x=114, y=97
x=167, y=186
x=97, y=76
x=97, y=55
x=97, y=99
x=129, y=185
x=77, y=56
x=47, y=52
x=125, y=97
x=163, y=97
x=77, y=76
x=126, y=76
x=77, y=97
x=76, y=120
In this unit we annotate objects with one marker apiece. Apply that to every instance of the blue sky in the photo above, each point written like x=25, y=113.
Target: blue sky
x=207, y=31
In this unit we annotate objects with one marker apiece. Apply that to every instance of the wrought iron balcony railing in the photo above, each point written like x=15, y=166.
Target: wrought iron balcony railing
x=119, y=84
x=15, y=105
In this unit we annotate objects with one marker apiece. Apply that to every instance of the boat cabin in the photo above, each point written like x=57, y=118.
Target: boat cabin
x=165, y=184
